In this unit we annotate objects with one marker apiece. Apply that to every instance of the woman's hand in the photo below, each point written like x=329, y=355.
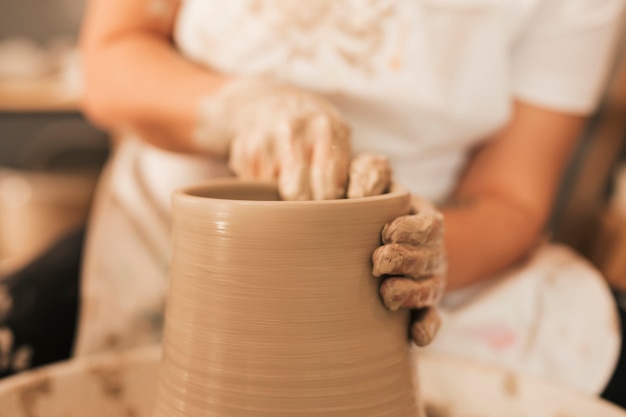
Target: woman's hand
x=412, y=263
x=280, y=132
x=412, y=260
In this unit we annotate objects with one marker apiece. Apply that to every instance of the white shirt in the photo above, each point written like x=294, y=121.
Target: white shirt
x=421, y=81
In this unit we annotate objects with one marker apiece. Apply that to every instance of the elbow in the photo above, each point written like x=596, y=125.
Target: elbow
x=94, y=108
x=94, y=103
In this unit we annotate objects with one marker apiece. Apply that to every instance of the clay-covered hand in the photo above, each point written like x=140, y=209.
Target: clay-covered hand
x=412, y=263
x=279, y=132
x=370, y=174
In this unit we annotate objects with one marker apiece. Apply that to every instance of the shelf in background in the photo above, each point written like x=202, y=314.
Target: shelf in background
x=42, y=95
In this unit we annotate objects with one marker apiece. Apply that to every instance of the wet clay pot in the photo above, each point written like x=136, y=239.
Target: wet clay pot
x=273, y=311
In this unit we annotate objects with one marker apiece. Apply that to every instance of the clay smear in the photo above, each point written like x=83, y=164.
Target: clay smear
x=272, y=309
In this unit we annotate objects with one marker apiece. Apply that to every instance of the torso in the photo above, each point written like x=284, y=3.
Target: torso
x=421, y=81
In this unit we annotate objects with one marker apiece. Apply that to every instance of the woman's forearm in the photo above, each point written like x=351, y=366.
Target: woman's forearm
x=485, y=236
x=507, y=192
x=135, y=80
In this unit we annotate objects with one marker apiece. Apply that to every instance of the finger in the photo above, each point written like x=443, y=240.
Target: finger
x=254, y=156
x=293, y=176
x=398, y=259
x=426, y=324
x=402, y=292
x=425, y=227
x=330, y=159
x=370, y=174
x=239, y=159
x=267, y=169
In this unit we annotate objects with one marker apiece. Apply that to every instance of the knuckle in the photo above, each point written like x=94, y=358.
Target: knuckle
x=382, y=260
x=394, y=293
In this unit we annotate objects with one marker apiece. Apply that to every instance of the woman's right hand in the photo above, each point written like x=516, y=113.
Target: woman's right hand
x=412, y=265
x=283, y=133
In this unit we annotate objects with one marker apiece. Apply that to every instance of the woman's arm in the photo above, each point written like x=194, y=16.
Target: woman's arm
x=505, y=197
x=135, y=79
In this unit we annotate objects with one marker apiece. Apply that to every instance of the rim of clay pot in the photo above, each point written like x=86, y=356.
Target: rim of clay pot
x=267, y=193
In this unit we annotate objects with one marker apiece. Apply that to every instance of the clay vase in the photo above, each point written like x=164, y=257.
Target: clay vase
x=272, y=310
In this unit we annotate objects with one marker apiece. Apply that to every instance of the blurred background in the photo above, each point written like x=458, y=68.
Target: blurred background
x=50, y=156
